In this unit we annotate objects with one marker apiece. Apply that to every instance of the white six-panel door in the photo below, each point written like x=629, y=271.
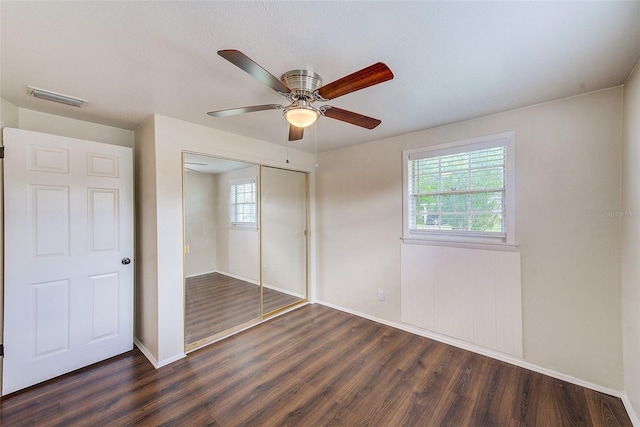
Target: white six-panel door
x=68, y=234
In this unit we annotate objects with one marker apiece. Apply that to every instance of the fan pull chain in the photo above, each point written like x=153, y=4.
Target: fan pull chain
x=315, y=141
x=287, y=150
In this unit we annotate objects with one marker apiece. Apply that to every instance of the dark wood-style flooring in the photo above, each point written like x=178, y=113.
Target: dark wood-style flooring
x=314, y=366
x=215, y=303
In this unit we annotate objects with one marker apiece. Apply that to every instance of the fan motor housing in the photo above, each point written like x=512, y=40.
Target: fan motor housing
x=302, y=80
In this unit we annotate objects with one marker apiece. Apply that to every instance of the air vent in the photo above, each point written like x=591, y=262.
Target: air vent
x=55, y=97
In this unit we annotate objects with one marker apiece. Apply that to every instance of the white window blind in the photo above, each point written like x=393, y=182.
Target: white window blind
x=460, y=189
x=243, y=203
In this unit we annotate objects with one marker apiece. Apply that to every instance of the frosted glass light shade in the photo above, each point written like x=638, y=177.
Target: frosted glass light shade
x=301, y=117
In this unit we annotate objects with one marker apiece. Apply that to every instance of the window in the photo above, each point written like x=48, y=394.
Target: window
x=461, y=191
x=243, y=203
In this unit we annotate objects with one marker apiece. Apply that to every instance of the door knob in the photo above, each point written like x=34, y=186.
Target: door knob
x=126, y=261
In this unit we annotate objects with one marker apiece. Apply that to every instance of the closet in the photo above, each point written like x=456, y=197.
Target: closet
x=245, y=245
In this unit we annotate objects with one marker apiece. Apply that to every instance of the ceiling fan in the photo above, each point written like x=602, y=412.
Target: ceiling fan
x=304, y=87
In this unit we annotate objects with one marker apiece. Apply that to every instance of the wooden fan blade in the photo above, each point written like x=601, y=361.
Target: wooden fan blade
x=242, y=110
x=295, y=133
x=242, y=61
x=372, y=75
x=350, y=117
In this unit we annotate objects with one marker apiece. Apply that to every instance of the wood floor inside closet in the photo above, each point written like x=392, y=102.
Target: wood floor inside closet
x=216, y=302
x=314, y=366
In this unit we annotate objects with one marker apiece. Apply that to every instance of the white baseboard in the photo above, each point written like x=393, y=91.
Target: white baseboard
x=152, y=359
x=235, y=276
x=200, y=274
x=632, y=413
x=284, y=291
x=171, y=359
x=487, y=352
x=256, y=282
x=146, y=353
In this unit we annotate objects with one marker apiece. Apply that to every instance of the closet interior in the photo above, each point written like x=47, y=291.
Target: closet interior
x=245, y=245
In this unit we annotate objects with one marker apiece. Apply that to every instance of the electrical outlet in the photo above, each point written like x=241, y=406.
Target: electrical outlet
x=380, y=295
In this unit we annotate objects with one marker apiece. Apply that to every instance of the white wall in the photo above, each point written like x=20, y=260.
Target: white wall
x=8, y=114
x=171, y=137
x=21, y=118
x=631, y=239
x=63, y=126
x=237, y=248
x=568, y=156
x=146, y=261
x=200, y=222
x=570, y=248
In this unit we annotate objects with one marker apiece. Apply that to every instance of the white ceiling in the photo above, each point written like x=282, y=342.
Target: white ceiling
x=452, y=60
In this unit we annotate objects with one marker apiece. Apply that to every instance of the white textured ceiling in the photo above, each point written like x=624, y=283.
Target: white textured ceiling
x=452, y=60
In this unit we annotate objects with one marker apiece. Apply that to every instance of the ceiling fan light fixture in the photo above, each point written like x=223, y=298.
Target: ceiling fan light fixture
x=301, y=114
x=303, y=87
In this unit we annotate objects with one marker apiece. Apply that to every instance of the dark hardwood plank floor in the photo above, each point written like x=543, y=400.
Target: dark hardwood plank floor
x=314, y=366
x=215, y=303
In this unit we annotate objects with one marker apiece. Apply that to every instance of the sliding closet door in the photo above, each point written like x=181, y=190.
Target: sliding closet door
x=283, y=237
x=221, y=262
x=245, y=245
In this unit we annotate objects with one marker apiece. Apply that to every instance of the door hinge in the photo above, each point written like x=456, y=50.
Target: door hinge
x=1, y=350
x=2, y=152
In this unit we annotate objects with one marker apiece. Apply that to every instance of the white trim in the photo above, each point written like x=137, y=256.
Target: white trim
x=256, y=282
x=483, y=351
x=284, y=291
x=242, y=225
x=494, y=246
x=235, y=276
x=144, y=350
x=506, y=139
x=170, y=360
x=200, y=274
x=454, y=239
x=629, y=407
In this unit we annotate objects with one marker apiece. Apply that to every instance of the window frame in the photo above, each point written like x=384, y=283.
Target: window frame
x=508, y=237
x=233, y=223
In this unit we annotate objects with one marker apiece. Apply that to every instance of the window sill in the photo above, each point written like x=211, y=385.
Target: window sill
x=243, y=227
x=494, y=244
